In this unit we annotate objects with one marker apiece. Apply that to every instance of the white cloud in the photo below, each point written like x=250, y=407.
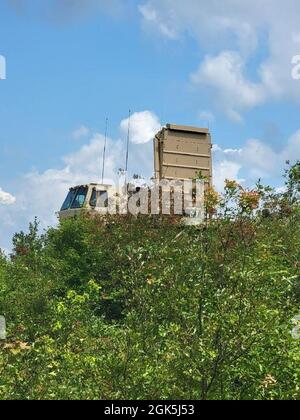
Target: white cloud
x=261, y=159
x=292, y=150
x=6, y=199
x=143, y=127
x=81, y=132
x=225, y=73
x=254, y=160
x=151, y=17
x=226, y=169
x=209, y=22
x=263, y=32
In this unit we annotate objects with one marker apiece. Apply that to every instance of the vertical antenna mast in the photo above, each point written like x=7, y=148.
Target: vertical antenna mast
x=104, y=150
x=128, y=139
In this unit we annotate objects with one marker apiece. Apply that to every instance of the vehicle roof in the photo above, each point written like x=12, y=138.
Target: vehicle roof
x=92, y=184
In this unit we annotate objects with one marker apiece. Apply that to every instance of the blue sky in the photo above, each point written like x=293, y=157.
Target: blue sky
x=71, y=63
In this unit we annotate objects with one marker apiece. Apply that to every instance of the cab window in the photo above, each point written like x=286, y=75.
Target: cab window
x=69, y=200
x=99, y=199
x=103, y=202
x=80, y=198
x=93, y=200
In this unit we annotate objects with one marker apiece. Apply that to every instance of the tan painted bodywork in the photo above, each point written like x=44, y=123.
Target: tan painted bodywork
x=66, y=214
x=182, y=152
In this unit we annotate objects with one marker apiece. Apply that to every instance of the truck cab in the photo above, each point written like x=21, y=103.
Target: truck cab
x=90, y=198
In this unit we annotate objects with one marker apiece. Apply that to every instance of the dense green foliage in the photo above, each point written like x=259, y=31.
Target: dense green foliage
x=142, y=308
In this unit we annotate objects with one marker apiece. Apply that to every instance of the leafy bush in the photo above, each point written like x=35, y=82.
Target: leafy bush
x=142, y=308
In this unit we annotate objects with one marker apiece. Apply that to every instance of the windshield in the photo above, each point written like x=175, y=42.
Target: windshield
x=80, y=197
x=75, y=199
x=69, y=200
